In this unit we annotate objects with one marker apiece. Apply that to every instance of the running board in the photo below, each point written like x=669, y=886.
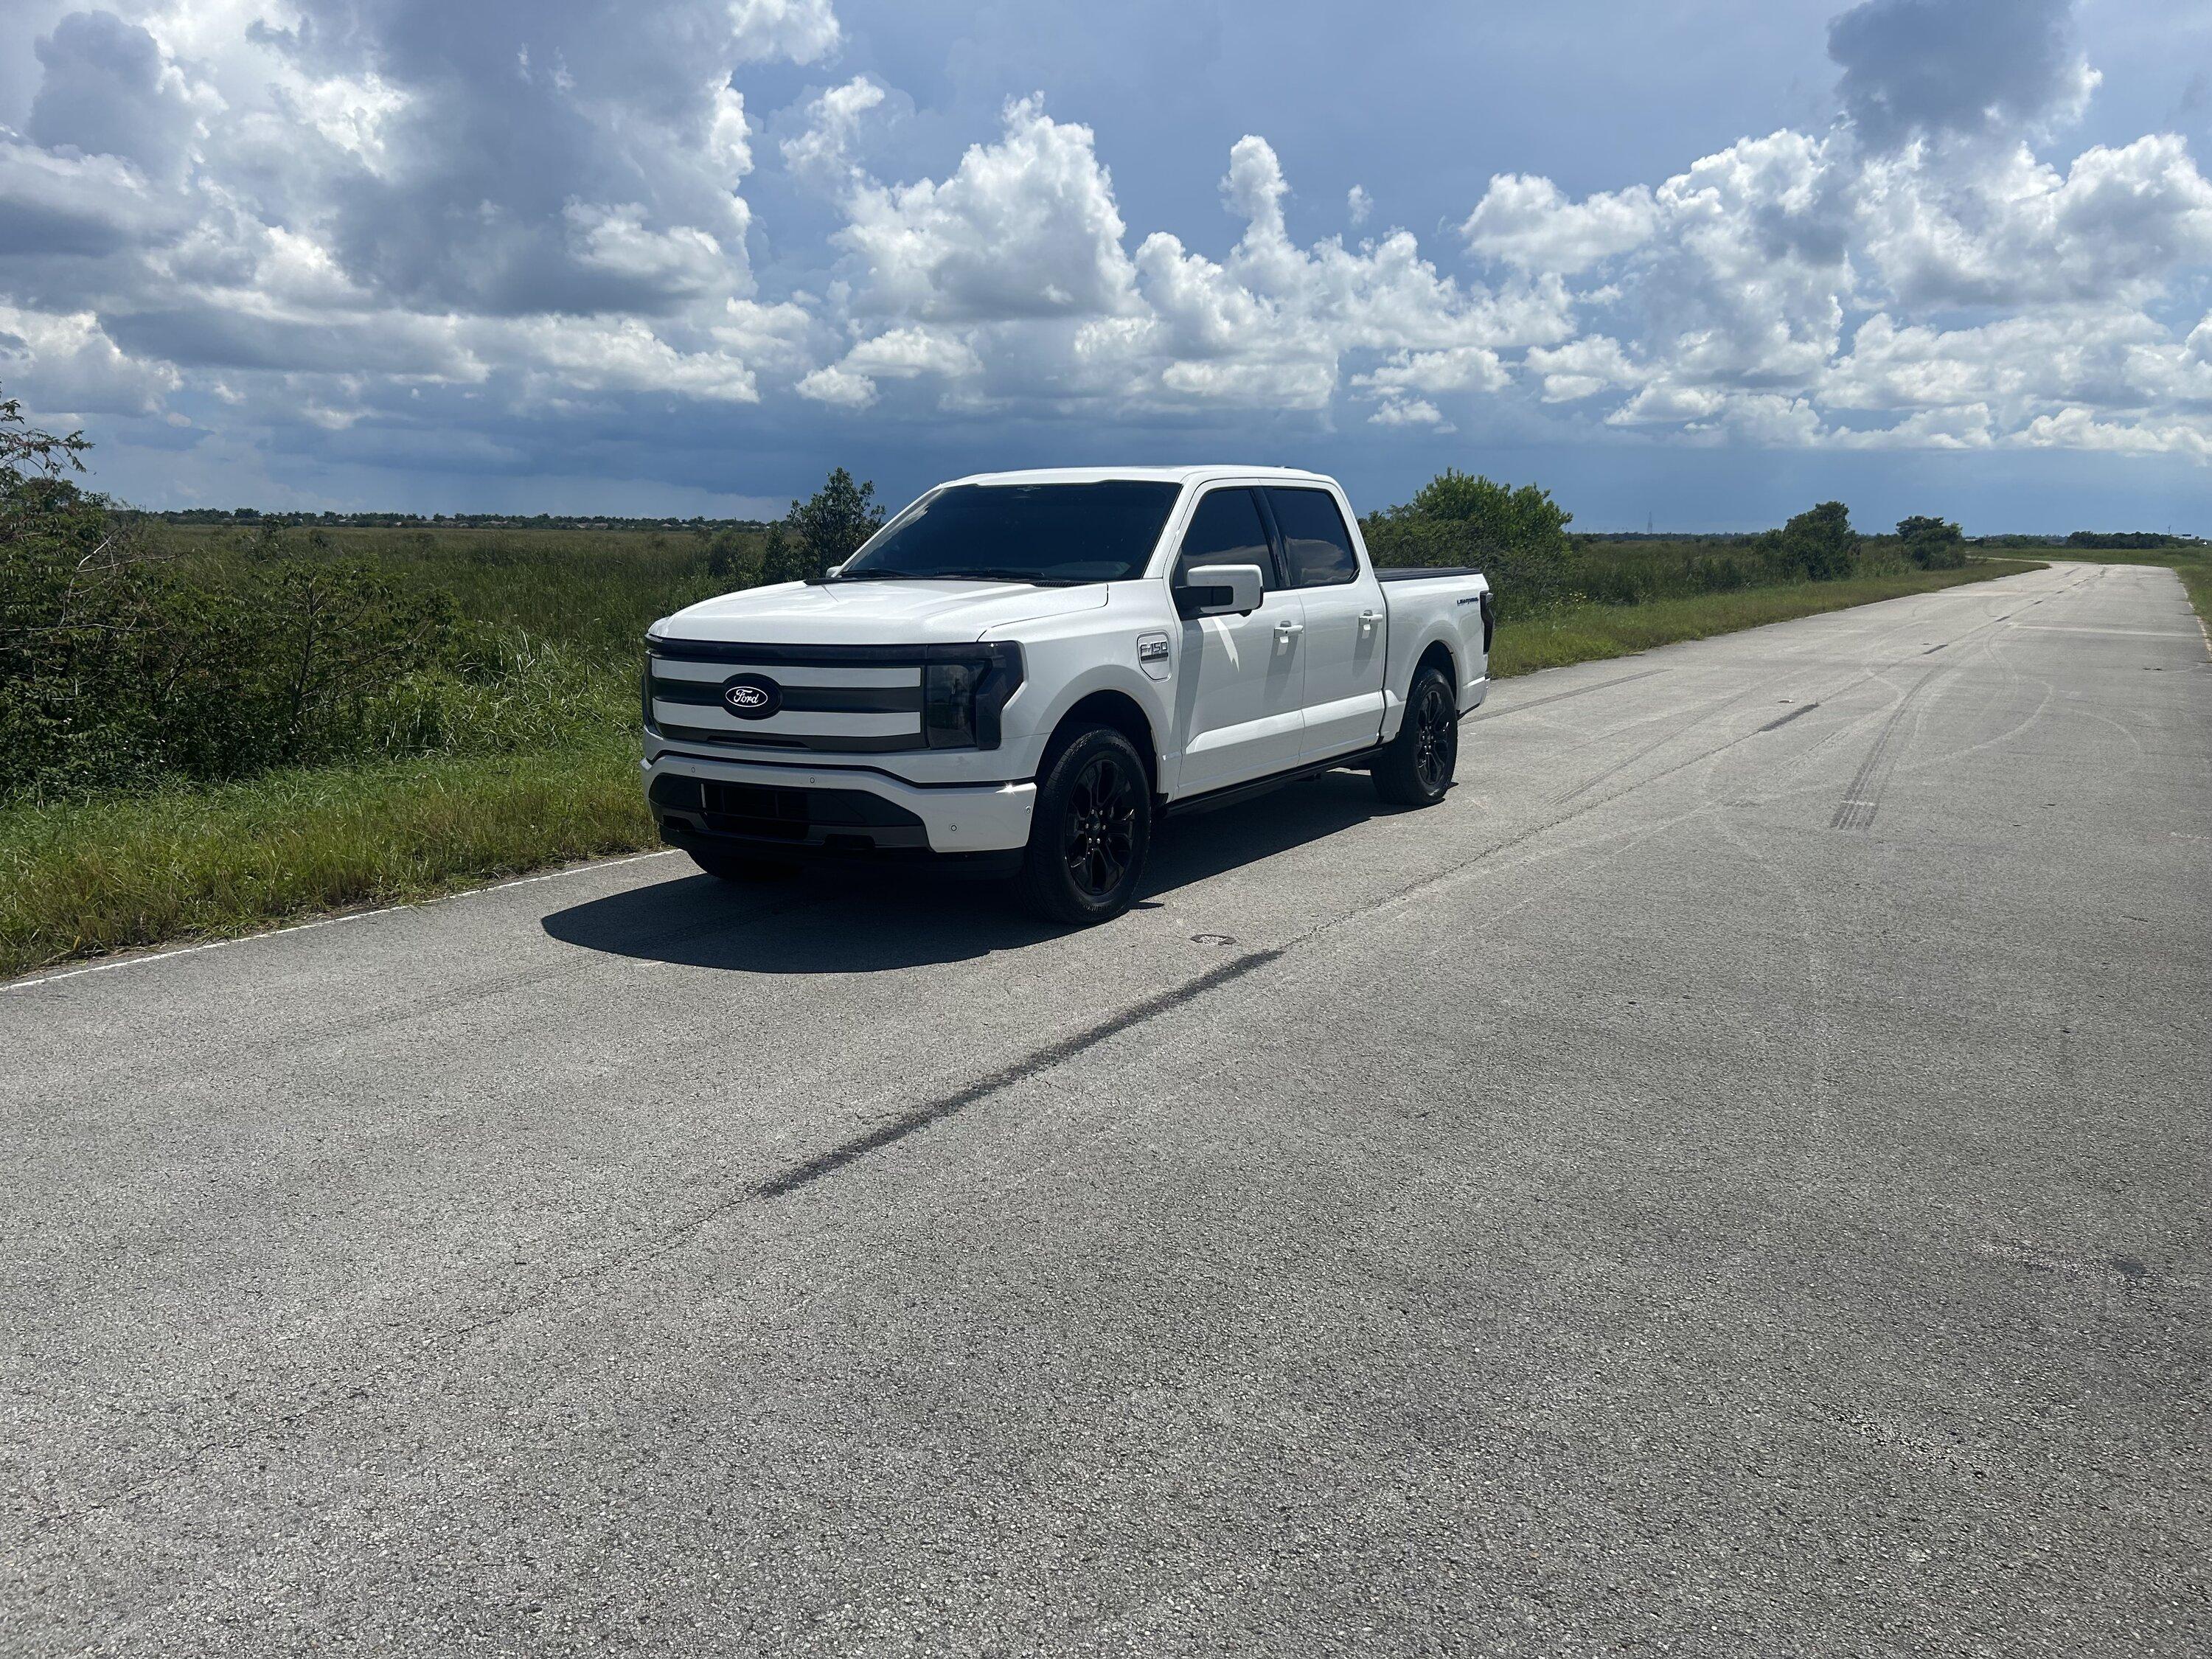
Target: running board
x=1239, y=792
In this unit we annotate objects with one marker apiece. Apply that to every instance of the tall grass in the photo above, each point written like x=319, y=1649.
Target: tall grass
x=592, y=590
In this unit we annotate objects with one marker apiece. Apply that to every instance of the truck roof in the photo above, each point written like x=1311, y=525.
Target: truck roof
x=1162, y=474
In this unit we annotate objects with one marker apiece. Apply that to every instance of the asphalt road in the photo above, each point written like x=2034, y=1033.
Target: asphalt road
x=1733, y=1180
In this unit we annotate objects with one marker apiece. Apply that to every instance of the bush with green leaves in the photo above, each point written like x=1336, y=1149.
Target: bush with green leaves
x=1818, y=545
x=827, y=527
x=1518, y=537
x=121, y=667
x=1932, y=544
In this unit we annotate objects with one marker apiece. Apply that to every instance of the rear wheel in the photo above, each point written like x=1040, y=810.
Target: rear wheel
x=1416, y=768
x=738, y=867
x=1092, y=827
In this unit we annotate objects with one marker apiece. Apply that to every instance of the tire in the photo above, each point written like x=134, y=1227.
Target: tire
x=738, y=867
x=1417, y=769
x=1092, y=827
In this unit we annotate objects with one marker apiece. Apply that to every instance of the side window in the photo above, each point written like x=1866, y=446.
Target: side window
x=1315, y=541
x=1226, y=529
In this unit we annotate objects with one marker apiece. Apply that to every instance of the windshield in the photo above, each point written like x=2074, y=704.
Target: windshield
x=1047, y=533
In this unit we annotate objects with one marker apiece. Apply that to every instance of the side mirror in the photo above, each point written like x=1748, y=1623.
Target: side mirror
x=1220, y=590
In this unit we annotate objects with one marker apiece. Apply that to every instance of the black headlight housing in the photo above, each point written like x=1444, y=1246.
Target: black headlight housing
x=964, y=688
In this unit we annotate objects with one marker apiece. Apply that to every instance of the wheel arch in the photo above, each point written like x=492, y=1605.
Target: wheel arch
x=1438, y=651
x=1107, y=706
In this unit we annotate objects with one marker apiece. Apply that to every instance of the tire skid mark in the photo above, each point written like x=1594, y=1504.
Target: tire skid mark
x=1561, y=696
x=1797, y=712
x=1863, y=798
x=1035, y=1063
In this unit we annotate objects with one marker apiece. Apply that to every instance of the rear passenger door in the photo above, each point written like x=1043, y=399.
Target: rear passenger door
x=1346, y=628
x=1239, y=680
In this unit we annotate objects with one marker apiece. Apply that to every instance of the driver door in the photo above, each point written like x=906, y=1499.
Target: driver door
x=1240, y=681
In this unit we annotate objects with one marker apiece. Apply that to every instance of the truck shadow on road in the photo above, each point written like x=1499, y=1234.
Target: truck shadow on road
x=854, y=918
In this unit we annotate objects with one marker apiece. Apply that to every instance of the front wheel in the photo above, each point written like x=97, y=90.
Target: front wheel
x=1092, y=827
x=1416, y=768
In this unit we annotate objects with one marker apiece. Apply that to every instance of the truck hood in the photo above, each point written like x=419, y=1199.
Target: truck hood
x=873, y=613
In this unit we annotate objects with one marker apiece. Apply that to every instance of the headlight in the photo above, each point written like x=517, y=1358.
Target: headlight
x=963, y=688
x=948, y=704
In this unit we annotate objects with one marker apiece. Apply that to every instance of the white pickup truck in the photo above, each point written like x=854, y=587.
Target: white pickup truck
x=1024, y=671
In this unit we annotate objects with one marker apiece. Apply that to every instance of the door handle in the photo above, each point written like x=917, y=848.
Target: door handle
x=1369, y=618
x=1290, y=629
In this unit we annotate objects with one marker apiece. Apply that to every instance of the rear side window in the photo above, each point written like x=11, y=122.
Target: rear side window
x=1316, y=544
x=1225, y=529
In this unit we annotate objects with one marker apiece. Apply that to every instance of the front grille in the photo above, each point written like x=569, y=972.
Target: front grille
x=829, y=699
x=771, y=812
x=822, y=699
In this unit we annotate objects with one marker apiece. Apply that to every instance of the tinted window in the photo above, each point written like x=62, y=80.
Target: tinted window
x=1226, y=529
x=1315, y=541
x=1063, y=532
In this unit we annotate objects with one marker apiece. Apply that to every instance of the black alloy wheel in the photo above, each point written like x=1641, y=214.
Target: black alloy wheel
x=1098, y=836
x=1092, y=826
x=1436, y=741
x=1416, y=768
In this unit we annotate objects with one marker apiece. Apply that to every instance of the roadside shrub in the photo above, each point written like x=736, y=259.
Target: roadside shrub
x=1517, y=537
x=1819, y=543
x=1932, y=544
x=122, y=668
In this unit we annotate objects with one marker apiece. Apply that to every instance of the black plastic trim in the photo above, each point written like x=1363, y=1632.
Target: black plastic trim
x=895, y=742
x=803, y=699
x=677, y=831
x=881, y=771
x=1229, y=795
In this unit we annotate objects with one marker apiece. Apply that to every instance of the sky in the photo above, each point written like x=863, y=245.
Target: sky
x=1697, y=264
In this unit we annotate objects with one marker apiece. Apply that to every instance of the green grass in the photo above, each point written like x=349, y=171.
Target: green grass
x=1591, y=632
x=77, y=879
x=86, y=877
x=593, y=590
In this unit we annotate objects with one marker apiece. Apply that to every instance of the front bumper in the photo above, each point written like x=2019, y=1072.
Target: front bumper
x=831, y=809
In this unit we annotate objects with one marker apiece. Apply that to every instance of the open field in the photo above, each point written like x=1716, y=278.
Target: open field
x=79, y=877
x=1728, y=1181
x=593, y=590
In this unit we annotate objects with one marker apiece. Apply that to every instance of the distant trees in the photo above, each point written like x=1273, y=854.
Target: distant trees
x=827, y=528
x=2122, y=540
x=1932, y=544
x=1519, y=536
x=1820, y=542
x=830, y=525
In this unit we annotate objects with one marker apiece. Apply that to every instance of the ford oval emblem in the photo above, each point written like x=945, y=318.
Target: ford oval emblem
x=751, y=697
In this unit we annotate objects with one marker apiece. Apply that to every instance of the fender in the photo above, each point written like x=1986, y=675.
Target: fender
x=1149, y=695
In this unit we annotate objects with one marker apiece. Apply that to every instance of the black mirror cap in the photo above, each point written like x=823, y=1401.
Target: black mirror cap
x=1192, y=603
